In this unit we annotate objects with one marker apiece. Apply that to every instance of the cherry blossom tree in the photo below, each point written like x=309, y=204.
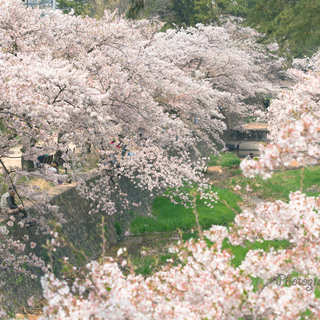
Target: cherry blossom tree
x=229, y=59
x=205, y=284
x=89, y=90
x=298, y=101
x=67, y=79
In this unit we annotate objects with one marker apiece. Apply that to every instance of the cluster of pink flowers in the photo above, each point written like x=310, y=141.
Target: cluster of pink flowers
x=205, y=284
x=12, y=253
x=296, y=142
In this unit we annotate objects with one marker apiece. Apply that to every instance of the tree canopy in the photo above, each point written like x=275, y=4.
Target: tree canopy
x=294, y=25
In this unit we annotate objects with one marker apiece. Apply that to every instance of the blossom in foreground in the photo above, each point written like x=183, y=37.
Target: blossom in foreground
x=10, y=223
x=205, y=284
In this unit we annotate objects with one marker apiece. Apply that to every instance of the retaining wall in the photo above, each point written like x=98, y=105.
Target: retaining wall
x=83, y=230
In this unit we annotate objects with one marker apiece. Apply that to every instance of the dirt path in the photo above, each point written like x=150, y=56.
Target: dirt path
x=20, y=316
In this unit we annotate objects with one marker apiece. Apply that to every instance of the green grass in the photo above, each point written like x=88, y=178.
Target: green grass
x=240, y=252
x=144, y=265
x=279, y=185
x=148, y=265
x=225, y=160
x=170, y=217
x=250, y=119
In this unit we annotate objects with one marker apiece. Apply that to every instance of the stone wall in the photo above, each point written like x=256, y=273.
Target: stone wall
x=252, y=135
x=83, y=230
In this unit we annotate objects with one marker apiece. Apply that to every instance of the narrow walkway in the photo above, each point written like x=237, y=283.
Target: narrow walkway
x=256, y=126
x=14, y=160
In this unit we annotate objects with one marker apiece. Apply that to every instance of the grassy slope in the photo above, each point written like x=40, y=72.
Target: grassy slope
x=170, y=217
x=279, y=185
x=226, y=160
